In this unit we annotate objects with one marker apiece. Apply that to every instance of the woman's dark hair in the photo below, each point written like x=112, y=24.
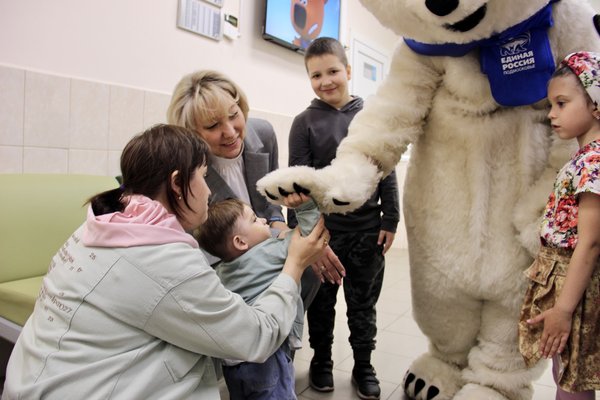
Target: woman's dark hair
x=147, y=163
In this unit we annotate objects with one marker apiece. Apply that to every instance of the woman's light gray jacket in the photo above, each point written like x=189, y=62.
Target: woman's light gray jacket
x=140, y=323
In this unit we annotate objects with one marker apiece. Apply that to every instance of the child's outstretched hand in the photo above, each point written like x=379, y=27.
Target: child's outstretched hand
x=304, y=250
x=328, y=266
x=294, y=200
x=557, y=327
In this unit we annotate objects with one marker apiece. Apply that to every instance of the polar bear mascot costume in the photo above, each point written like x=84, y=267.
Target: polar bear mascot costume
x=467, y=89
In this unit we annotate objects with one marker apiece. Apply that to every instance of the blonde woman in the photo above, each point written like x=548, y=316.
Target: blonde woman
x=243, y=150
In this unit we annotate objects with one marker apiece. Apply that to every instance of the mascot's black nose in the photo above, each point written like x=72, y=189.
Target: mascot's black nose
x=441, y=7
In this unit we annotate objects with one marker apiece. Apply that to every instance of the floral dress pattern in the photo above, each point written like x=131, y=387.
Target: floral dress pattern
x=579, y=363
x=581, y=174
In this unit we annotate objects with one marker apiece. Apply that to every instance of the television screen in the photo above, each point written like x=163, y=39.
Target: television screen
x=295, y=23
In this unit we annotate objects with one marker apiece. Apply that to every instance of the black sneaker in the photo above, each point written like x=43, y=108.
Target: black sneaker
x=367, y=384
x=320, y=376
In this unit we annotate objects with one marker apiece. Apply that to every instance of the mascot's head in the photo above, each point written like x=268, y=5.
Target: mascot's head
x=307, y=17
x=512, y=37
x=451, y=21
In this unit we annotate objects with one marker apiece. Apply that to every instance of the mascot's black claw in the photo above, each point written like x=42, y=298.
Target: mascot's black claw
x=408, y=380
x=300, y=189
x=283, y=192
x=269, y=195
x=432, y=392
x=597, y=22
x=419, y=385
x=340, y=203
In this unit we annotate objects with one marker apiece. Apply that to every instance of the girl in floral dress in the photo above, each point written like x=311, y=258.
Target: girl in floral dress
x=560, y=318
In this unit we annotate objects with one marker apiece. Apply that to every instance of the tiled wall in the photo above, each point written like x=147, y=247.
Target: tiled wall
x=57, y=124
x=54, y=124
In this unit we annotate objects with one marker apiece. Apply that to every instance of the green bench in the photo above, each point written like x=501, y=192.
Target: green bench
x=38, y=212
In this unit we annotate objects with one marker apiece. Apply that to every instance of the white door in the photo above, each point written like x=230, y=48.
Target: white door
x=368, y=69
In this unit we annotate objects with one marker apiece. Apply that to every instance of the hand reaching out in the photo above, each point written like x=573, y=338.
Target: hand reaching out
x=329, y=267
x=294, y=200
x=557, y=327
x=304, y=250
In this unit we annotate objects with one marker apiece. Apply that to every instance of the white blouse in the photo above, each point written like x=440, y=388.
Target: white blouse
x=232, y=172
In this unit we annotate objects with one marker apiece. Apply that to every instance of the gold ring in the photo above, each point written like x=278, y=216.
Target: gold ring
x=325, y=242
x=322, y=268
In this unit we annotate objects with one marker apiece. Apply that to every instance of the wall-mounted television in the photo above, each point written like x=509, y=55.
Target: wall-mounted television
x=295, y=23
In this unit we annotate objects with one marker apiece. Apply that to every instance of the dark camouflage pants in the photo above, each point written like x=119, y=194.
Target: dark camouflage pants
x=364, y=263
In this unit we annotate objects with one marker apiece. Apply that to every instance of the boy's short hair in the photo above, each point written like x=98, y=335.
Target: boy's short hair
x=214, y=234
x=326, y=45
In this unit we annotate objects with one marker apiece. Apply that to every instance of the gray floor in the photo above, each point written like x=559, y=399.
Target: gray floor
x=399, y=341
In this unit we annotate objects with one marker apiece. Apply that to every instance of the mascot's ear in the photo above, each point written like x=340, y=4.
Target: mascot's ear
x=597, y=22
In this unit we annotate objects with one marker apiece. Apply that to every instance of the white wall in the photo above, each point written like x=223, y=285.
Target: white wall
x=79, y=78
x=137, y=44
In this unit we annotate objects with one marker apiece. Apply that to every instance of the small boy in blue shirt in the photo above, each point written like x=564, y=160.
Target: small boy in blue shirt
x=251, y=260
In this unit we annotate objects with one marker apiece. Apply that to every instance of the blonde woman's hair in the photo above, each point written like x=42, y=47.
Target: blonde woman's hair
x=202, y=97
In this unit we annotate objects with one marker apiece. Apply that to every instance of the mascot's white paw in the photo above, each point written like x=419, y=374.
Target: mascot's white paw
x=278, y=184
x=429, y=378
x=341, y=187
